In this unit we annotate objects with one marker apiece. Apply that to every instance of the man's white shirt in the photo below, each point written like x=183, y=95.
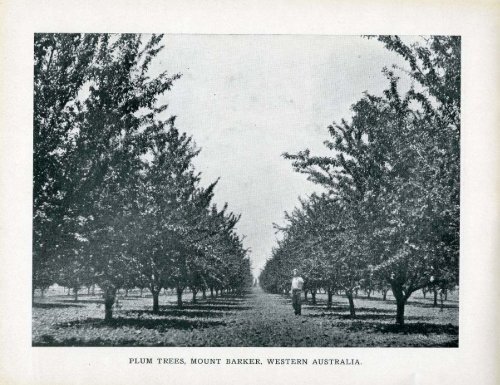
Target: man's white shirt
x=297, y=283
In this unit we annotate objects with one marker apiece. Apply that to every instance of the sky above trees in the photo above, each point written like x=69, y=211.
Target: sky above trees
x=247, y=99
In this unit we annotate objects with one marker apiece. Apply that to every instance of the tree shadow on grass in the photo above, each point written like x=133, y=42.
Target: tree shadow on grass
x=219, y=302
x=38, y=305
x=426, y=304
x=366, y=298
x=327, y=312
x=409, y=328
x=365, y=316
x=338, y=306
x=214, y=307
x=382, y=317
x=430, y=305
x=448, y=344
x=48, y=340
x=375, y=310
x=94, y=301
x=162, y=324
x=415, y=302
x=169, y=312
x=345, y=308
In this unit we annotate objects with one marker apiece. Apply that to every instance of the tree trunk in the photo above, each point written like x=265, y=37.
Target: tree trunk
x=69, y=291
x=305, y=295
x=441, y=297
x=109, y=300
x=313, y=295
x=368, y=293
x=88, y=290
x=194, y=295
x=156, y=301
x=126, y=292
x=93, y=289
x=211, y=292
x=75, y=292
x=424, y=293
x=400, y=311
x=384, y=294
x=179, y=296
x=446, y=294
x=141, y=291
x=216, y=293
x=204, y=294
x=42, y=292
x=400, y=304
x=330, y=297
x=435, y=303
x=352, y=309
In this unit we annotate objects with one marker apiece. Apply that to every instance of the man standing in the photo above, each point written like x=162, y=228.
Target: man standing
x=297, y=283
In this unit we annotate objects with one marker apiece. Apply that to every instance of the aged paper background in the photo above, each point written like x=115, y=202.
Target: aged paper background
x=475, y=361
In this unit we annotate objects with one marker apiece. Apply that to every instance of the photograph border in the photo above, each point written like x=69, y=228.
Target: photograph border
x=478, y=354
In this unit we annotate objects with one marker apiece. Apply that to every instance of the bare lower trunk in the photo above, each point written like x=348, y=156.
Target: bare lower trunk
x=211, y=292
x=330, y=297
x=194, y=295
x=204, y=294
x=305, y=295
x=126, y=292
x=352, y=309
x=179, y=296
x=93, y=289
x=435, y=303
x=384, y=294
x=401, y=299
x=75, y=293
x=400, y=312
x=109, y=300
x=156, y=301
x=313, y=295
x=142, y=289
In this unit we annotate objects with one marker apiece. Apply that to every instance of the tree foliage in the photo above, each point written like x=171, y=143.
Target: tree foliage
x=115, y=191
x=390, y=213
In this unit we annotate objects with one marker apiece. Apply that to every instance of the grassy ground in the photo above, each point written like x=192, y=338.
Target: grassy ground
x=257, y=319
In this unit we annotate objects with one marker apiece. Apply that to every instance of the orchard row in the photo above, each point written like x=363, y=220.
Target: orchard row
x=116, y=199
x=388, y=217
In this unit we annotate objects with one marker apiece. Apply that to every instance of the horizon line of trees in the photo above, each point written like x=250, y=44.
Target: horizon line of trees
x=388, y=216
x=116, y=199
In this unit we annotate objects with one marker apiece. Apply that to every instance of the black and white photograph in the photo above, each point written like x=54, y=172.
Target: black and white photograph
x=246, y=190
x=249, y=192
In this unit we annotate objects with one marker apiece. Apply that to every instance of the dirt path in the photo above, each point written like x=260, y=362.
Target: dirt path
x=271, y=321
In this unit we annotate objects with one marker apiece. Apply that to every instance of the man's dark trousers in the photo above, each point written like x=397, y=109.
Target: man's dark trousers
x=296, y=301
